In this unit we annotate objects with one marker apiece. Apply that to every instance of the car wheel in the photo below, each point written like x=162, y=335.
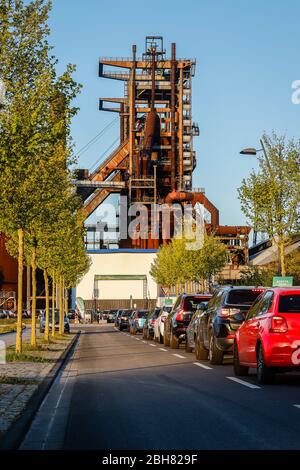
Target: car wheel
x=200, y=351
x=215, y=355
x=174, y=342
x=265, y=375
x=188, y=347
x=161, y=338
x=239, y=371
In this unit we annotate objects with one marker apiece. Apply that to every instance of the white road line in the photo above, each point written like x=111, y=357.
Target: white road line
x=153, y=345
x=242, y=382
x=178, y=355
x=138, y=339
x=202, y=365
x=145, y=342
x=162, y=349
x=296, y=406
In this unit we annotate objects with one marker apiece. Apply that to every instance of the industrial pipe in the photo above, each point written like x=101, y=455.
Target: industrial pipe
x=193, y=198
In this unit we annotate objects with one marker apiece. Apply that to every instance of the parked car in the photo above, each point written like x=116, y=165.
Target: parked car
x=137, y=320
x=193, y=325
x=269, y=337
x=56, y=312
x=221, y=319
x=159, y=324
x=71, y=314
x=148, y=330
x=179, y=318
x=123, y=319
x=118, y=316
x=104, y=314
x=111, y=316
x=3, y=314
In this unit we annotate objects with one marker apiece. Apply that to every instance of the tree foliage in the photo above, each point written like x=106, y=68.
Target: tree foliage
x=270, y=197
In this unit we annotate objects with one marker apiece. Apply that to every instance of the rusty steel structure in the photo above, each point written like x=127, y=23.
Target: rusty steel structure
x=155, y=160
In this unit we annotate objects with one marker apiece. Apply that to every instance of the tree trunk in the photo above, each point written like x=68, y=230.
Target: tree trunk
x=53, y=304
x=61, y=307
x=282, y=258
x=33, y=305
x=47, y=305
x=20, y=290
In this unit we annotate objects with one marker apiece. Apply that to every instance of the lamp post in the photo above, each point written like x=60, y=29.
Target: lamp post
x=253, y=152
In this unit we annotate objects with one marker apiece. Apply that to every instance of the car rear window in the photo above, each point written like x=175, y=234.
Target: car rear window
x=143, y=314
x=289, y=304
x=242, y=297
x=190, y=303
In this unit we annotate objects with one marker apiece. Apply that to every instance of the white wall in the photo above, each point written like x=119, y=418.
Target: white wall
x=118, y=263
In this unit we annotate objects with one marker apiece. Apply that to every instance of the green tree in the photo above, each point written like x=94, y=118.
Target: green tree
x=270, y=197
x=175, y=264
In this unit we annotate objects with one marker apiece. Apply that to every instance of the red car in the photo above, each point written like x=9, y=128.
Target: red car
x=269, y=339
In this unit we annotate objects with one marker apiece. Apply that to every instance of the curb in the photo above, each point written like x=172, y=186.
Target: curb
x=15, y=434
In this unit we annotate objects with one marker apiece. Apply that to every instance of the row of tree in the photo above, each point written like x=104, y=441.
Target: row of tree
x=270, y=200
x=39, y=210
x=176, y=264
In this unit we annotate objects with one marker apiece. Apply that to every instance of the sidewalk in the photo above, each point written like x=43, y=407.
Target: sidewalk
x=19, y=380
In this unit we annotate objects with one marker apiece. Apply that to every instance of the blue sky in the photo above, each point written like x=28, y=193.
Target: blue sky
x=247, y=56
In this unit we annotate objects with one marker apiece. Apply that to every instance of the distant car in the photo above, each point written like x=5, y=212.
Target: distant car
x=111, y=316
x=148, y=330
x=56, y=311
x=3, y=314
x=123, y=320
x=118, y=316
x=269, y=339
x=193, y=326
x=71, y=314
x=159, y=324
x=105, y=314
x=221, y=319
x=137, y=321
x=179, y=318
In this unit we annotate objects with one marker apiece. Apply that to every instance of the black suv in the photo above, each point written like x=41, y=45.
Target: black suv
x=220, y=320
x=179, y=318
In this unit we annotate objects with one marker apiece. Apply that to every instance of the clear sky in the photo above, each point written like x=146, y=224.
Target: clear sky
x=247, y=54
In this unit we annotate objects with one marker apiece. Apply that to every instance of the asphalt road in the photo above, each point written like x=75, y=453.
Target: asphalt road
x=120, y=392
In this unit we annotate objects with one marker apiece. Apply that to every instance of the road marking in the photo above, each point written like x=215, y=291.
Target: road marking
x=242, y=382
x=145, y=342
x=162, y=349
x=178, y=355
x=138, y=339
x=202, y=365
x=296, y=406
x=153, y=345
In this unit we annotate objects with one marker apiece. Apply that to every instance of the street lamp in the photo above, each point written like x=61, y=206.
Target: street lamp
x=253, y=151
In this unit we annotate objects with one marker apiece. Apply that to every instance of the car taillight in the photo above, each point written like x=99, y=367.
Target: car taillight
x=179, y=316
x=153, y=321
x=227, y=312
x=278, y=325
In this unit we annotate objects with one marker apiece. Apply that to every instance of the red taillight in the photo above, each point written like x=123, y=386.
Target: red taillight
x=227, y=312
x=153, y=322
x=179, y=316
x=278, y=325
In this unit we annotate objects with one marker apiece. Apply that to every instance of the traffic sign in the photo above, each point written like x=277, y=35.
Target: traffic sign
x=283, y=281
